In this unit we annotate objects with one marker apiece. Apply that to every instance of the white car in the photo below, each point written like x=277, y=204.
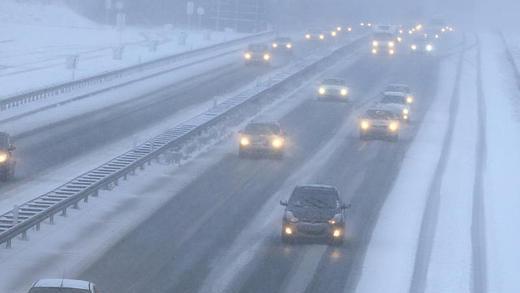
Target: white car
x=397, y=102
x=397, y=88
x=380, y=122
x=333, y=88
x=63, y=286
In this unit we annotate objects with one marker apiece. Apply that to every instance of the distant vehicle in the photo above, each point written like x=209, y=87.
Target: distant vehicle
x=422, y=45
x=314, y=212
x=257, y=54
x=283, y=44
x=384, y=42
x=262, y=139
x=333, y=88
x=315, y=35
x=386, y=28
x=398, y=103
x=7, y=160
x=380, y=123
x=400, y=89
x=63, y=286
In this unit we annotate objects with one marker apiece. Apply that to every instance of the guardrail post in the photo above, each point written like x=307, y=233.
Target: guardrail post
x=16, y=210
x=76, y=205
x=85, y=199
x=8, y=244
x=95, y=193
x=24, y=235
x=51, y=219
x=37, y=227
x=64, y=212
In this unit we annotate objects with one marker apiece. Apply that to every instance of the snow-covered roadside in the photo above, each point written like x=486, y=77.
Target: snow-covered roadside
x=450, y=267
x=389, y=261
x=36, y=40
x=502, y=184
x=69, y=247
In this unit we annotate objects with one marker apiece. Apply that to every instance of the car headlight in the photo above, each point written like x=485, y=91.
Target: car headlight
x=399, y=39
x=338, y=28
x=391, y=44
x=406, y=111
x=289, y=46
x=375, y=43
x=429, y=47
x=3, y=157
x=245, y=141
x=290, y=217
x=409, y=99
x=391, y=51
x=333, y=33
x=365, y=124
x=322, y=90
x=277, y=142
x=322, y=37
x=275, y=45
x=349, y=29
x=414, y=47
x=344, y=92
x=247, y=56
x=267, y=57
x=393, y=126
x=307, y=36
x=336, y=233
x=374, y=51
x=335, y=220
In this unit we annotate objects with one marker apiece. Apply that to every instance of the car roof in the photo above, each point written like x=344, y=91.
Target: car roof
x=316, y=187
x=398, y=94
x=398, y=85
x=63, y=283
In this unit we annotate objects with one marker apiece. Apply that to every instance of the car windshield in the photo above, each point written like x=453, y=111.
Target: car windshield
x=4, y=141
x=58, y=290
x=283, y=40
x=397, y=88
x=383, y=37
x=262, y=128
x=319, y=198
x=333, y=82
x=257, y=48
x=393, y=99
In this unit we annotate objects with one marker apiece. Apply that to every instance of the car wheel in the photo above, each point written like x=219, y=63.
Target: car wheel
x=286, y=239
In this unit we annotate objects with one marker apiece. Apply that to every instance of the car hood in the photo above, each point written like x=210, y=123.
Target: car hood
x=313, y=214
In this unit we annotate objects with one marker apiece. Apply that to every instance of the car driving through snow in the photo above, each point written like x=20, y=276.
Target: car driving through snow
x=397, y=102
x=262, y=139
x=282, y=44
x=379, y=123
x=258, y=54
x=314, y=212
x=396, y=88
x=333, y=88
x=7, y=160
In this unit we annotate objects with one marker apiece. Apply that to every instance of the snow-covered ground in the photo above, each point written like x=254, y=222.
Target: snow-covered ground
x=64, y=251
x=36, y=40
x=453, y=252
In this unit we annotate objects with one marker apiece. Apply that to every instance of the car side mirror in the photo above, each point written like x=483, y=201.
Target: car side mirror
x=345, y=206
x=283, y=203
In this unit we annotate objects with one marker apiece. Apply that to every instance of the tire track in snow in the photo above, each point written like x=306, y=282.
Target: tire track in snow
x=478, y=232
x=431, y=211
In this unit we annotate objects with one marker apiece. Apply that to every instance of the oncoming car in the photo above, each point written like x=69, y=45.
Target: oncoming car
x=257, y=54
x=63, y=286
x=400, y=89
x=397, y=102
x=422, y=45
x=314, y=212
x=282, y=44
x=262, y=139
x=379, y=123
x=7, y=160
x=384, y=43
x=315, y=35
x=333, y=88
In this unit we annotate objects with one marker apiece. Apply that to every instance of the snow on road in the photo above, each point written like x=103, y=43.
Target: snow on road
x=502, y=184
x=389, y=260
x=37, y=39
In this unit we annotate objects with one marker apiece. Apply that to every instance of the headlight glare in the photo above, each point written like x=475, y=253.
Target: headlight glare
x=365, y=124
x=3, y=157
x=244, y=141
x=322, y=91
x=344, y=92
x=393, y=126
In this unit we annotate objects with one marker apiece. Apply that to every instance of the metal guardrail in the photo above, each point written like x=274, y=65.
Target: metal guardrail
x=56, y=90
x=511, y=59
x=32, y=213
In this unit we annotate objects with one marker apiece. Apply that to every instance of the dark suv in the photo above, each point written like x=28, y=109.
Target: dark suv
x=262, y=139
x=7, y=161
x=314, y=212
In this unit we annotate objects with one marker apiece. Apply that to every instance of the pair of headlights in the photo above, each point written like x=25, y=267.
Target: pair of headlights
x=323, y=91
x=249, y=56
x=276, y=142
x=393, y=126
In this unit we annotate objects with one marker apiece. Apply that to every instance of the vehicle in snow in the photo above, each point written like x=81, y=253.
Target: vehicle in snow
x=262, y=139
x=282, y=44
x=63, y=286
x=314, y=212
x=257, y=54
x=400, y=89
x=422, y=45
x=7, y=160
x=333, y=88
x=315, y=35
x=379, y=123
x=397, y=102
x=384, y=43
